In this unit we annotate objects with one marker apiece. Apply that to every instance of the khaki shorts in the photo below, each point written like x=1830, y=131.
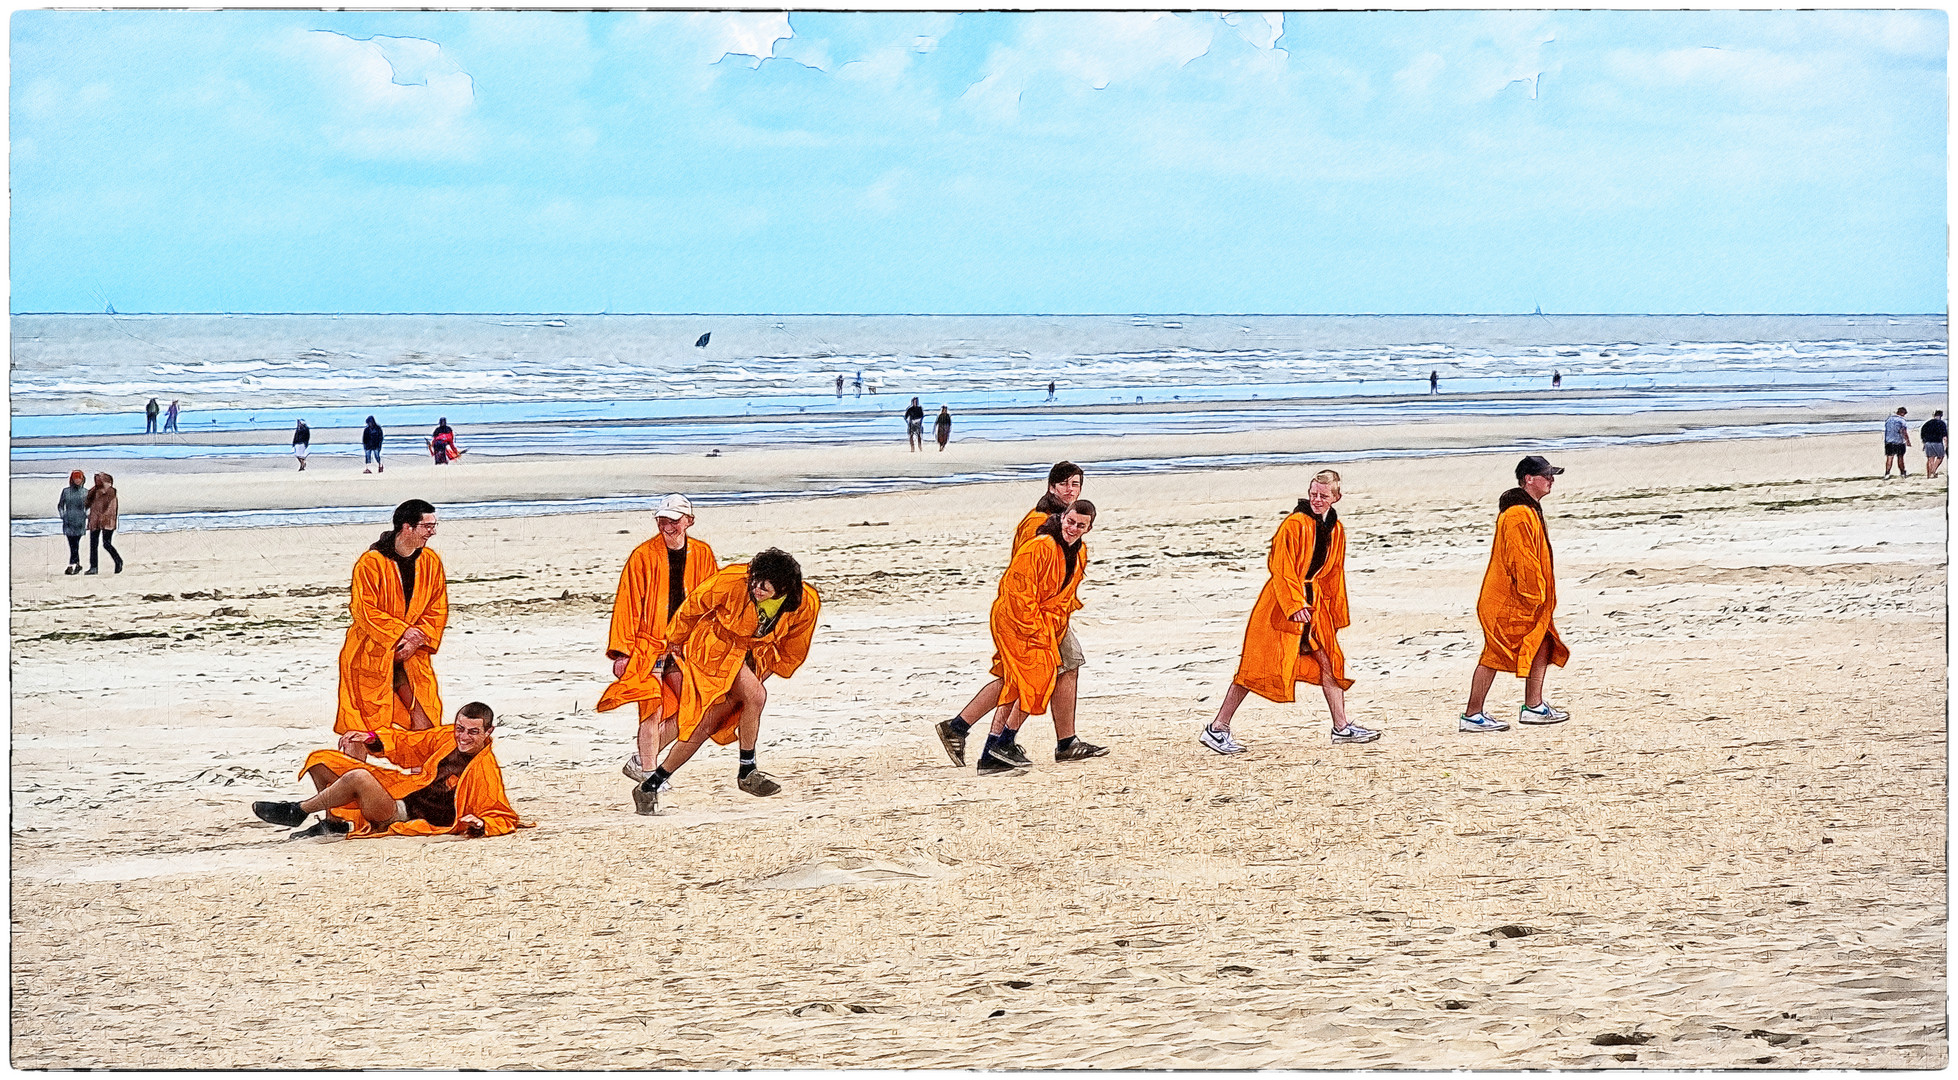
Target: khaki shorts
x=1071, y=657
x=400, y=811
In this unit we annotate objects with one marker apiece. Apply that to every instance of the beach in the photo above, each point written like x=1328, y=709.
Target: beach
x=1732, y=856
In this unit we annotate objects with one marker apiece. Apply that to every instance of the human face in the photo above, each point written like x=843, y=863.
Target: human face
x=414, y=537
x=762, y=590
x=1067, y=490
x=1319, y=495
x=1538, y=486
x=1075, y=526
x=471, y=734
x=674, y=530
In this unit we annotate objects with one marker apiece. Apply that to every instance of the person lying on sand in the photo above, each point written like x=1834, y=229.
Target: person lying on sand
x=446, y=780
x=658, y=576
x=1063, y=487
x=1293, y=634
x=1029, y=619
x=748, y=622
x=1519, y=596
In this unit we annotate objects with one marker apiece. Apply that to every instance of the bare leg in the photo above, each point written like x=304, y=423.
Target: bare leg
x=1539, y=666
x=682, y=751
x=417, y=717
x=358, y=788
x=321, y=776
x=1062, y=703
x=1479, y=684
x=1335, y=697
x=1233, y=697
x=982, y=702
x=752, y=696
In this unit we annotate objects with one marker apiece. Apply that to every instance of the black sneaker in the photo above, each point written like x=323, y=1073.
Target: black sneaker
x=953, y=741
x=993, y=763
x=325, y=826
x=1017, y=754
x=280, y=813
x=1079, y=750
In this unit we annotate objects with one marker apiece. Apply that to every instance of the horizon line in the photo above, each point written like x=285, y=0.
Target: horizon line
x=1040, y=314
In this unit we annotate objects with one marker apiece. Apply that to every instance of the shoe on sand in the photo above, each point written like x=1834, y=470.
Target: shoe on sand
x=1016, y=754
x=280, y=813
x=645, y=803
x=325, y=826
x=995, y=763
x=1220, y=741
x=1079, y=750
x=758, y=783
x=1481, y=721
x=637, y=774
x=1544, y=713
x=1354, y=733
x=953, y=742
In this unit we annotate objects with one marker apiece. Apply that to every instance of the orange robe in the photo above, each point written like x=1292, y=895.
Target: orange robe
x=718, y=624
x=639, y=620
x=381, y=615
x=1030, y=615
x=1519, y=590
x=1022, y=533
x=479, y=790
x=1277, y=651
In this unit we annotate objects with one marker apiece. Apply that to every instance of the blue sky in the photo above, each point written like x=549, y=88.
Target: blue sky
x=980, y=162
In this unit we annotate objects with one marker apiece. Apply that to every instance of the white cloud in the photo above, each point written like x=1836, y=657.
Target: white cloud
x=392, y=96
x=1260, y=28
x=708, y=37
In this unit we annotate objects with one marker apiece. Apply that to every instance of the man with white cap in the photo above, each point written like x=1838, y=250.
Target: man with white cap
x=657, y=578
x=1519, y=596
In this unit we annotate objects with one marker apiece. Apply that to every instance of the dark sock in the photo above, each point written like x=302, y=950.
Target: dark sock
x=961, y=725
x=992, y=743
x=747, y=764
x=1065, y=743
x=1009, y=737
x=655, y=778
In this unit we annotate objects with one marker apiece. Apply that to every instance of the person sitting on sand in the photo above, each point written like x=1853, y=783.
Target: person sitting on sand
x=400, y=606
x=460, y=793
x=1028, y=620
x=748, y=622
x=1064, y=482
x=1293, y=634
x=1519, y=596
x=658, y=576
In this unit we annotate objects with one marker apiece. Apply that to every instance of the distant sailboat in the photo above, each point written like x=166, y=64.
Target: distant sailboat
x=1539, y=310
x=702, y=343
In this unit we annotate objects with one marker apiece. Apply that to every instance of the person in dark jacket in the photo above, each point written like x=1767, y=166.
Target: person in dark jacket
x=944, y=427
x=370, y=446
x=302, y=443
x=1932, y=436
x=73, y=508
x=102, y=507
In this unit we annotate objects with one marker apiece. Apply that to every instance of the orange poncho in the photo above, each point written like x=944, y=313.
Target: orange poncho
x=381, y=614
x=717, y=624
x=639, y=618
x=1277, y=651
x=1519, y=590
x=479, y=790
x=1028, y=619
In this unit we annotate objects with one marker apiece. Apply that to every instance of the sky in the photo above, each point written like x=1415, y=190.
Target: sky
x=1047, y=162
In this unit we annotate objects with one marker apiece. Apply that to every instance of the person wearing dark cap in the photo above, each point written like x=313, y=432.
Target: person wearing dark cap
x=1519, y=596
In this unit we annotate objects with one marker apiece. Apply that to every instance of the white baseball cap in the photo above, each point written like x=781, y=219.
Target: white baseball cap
x=674, y=506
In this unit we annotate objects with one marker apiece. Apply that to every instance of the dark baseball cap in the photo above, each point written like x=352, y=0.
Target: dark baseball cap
x=1535, y=466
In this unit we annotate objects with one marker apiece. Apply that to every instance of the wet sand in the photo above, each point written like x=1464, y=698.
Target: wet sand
x=1731, y=857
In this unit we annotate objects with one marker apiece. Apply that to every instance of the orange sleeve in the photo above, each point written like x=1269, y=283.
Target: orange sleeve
x=412, y=749
x=709, y=596
x=1028, y=591
x=1286, y=564
x=1519, y=545
x=629, y=605
x=1024, y=531
x=434, y=619
x=1334, y=576
x=480, y=794
x=783, y=656
x=370, y=592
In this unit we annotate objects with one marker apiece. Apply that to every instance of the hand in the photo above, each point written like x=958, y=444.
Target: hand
x=618, y=666
x=471, y=823
x=1302, y=615
x=411, y=639
x=354, y=744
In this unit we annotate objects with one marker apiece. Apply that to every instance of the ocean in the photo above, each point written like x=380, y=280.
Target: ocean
x=606, y=384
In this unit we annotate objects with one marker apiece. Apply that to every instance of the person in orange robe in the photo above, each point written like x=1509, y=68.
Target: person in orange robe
x=1293, y=634
x=1028, y=619
x=446, y=781
x=400, y=607
x=658, y=576
x=748, y=622
x=1519, y=596
x=1063, y=487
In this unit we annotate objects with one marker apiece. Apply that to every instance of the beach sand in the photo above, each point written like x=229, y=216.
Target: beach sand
x=1732, y=856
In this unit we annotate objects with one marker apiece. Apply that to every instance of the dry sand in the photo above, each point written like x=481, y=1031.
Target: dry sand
x=1732, y=856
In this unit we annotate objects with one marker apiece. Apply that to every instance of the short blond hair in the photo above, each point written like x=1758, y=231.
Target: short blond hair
x=1328, y=478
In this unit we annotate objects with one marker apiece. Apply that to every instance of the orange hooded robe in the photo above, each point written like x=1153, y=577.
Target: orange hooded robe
x=479, y=790
x=639, y=620
x=1030, y=615
x=1519, y=590
x=718, y=624
x=381, y=614
x=1277, y=651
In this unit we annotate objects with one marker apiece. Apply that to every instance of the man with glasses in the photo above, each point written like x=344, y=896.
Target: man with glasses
x=400, y=606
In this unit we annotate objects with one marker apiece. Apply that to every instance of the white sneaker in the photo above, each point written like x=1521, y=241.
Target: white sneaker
x=637, y=773
x=1354, y=733
x=1544, y=713
x=1481, y=721
x=1219, y=741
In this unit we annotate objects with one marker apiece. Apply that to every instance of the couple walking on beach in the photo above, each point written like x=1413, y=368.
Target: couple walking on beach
x=92, y=511
x=1896, y=440
x=914, y=425
x=149, y=418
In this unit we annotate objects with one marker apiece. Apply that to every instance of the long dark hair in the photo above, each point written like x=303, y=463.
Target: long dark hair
x=408, y=513
x=1052, y=526
x=780, y=570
